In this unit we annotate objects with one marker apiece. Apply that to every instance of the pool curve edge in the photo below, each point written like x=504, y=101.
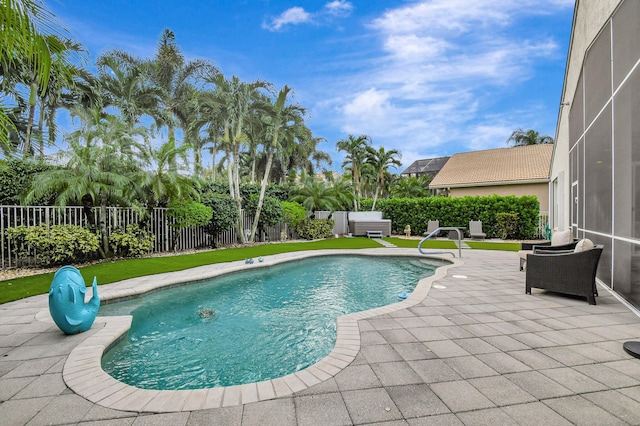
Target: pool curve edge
x=83, y=373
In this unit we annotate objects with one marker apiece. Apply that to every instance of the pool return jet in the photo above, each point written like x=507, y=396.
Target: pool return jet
x=435, y=233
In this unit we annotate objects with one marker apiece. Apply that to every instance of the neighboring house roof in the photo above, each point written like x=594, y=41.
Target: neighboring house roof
x=428, y=166
x=517, y=165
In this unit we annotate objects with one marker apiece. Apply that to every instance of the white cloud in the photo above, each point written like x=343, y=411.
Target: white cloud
x=442, y=66
x=298, y=15
x=293, y=16
x=373, y=104
x=413, y=48
x=338, y=8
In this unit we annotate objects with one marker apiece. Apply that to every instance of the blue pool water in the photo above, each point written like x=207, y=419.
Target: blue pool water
x=267, y=322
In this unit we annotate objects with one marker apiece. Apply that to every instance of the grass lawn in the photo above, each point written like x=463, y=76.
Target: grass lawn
x=450, y=244
x=118, y=270
x=429, y=244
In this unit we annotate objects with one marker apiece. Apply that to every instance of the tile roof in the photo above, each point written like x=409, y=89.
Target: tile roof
x=496, y=166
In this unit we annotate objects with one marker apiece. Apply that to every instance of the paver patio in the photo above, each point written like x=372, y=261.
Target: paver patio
x=473, y=350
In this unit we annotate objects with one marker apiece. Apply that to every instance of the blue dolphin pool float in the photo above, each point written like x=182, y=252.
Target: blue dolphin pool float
x=66, y=301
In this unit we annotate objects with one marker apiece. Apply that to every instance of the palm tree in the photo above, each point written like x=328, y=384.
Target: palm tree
x=97, y=168
x=126, y=87
x=206, y=125
x=342, y=190
x=26, y=27
x=283, y=121
x=257, y=132
x=410, y=187
x=58, y=94
x=60, y=76
x=159, y=181
x=530, y=137
x=234, y=100
x=314, y=194
x=302, y=154
x=175, y=79
x=380, y=161
x=355, y=149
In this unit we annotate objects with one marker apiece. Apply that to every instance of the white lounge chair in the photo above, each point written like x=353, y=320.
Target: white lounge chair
x=475, y=230
x=432, y=226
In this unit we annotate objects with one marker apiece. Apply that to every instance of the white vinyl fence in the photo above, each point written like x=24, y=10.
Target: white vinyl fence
x=543, y=220
x=118, y=217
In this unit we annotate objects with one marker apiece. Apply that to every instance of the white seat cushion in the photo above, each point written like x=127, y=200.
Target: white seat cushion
x=584, y=245
x=561, y=238
x=523, y=253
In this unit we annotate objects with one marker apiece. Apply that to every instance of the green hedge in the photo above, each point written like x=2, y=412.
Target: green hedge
x=417, y=212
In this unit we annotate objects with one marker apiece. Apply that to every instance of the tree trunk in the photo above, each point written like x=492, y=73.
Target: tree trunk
x=171, y=132
x=40, y=133
x=236, y=198
x=263, y=189
x=214, y=152
x=375, y=198
x=32, y=113
x=197, y=162
x=236, y=183
x=103, y=228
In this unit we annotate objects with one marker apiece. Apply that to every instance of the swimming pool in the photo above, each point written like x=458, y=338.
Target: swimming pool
x=266, y=323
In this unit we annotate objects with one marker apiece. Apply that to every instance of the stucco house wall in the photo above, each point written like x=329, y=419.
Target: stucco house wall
x=588, y=20
x=595, y=172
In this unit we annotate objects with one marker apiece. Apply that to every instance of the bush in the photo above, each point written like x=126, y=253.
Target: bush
x=131, y=241
x=189, y=214
x=315, y=229
x=417, y=212
x=507, y=225
x=55, y=245
x=224, y=215
x=270, y=214
x=293, y=213
x=16, y=176
x=281, y=192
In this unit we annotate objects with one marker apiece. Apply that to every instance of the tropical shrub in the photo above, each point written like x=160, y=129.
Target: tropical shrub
x=16, y=176
x=314, y=229
x=274, y=190
x=224, y=214
x=507, y=225
x=54, y=245
x=293, y=213
x=132, y=241
x=187, y=214
x=270, y=214
x=281, y=192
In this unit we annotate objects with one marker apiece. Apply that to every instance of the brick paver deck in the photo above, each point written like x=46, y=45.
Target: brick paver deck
x=467, y=348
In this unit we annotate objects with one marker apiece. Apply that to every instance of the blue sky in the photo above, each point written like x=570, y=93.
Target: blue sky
x=429, y=78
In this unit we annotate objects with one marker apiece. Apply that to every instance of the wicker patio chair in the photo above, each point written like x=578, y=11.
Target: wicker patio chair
x=560, y=241
x=567, y=272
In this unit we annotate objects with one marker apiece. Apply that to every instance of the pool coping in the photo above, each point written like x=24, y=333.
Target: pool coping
x=83, y=373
